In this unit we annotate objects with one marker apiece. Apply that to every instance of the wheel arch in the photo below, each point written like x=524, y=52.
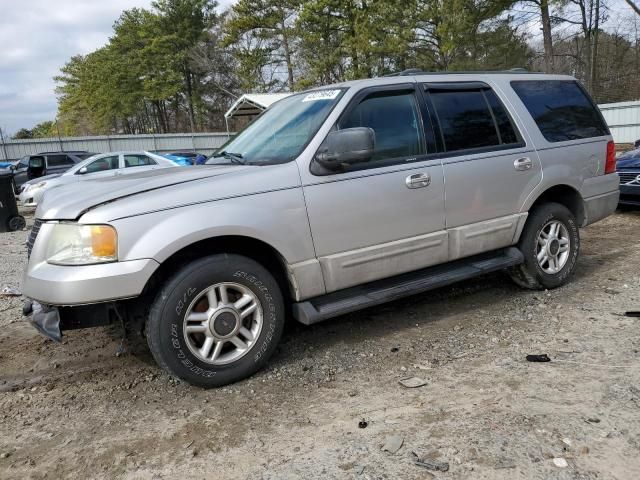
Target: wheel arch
x=250, y=247
x=565, y=195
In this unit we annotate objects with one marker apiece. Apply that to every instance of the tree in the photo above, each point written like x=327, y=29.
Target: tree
x=347, y=40
x=635, y=7
x=467, y=34
x=272, y=23
x=23, y=134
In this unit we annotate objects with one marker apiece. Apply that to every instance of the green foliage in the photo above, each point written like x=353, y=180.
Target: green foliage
x=142, y=80
x=264, y=36
x=41, y=130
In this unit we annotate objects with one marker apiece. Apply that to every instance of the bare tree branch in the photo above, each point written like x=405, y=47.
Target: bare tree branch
x=635, y=7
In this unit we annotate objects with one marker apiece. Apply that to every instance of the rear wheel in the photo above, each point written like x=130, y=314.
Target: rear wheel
x=216, y=321
x=550, y=243
x=15, y=223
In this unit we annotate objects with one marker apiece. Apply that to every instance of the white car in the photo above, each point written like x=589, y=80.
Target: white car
x=97, y=166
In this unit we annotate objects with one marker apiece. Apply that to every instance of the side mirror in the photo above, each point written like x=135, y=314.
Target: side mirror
x=345, y=147
x=82, y=171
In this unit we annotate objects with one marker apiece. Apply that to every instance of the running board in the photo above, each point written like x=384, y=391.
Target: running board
x=382, y=291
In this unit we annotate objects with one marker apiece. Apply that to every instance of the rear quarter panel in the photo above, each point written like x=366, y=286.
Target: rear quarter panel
x=576, y=163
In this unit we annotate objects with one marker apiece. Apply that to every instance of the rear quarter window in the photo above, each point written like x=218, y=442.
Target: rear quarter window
x=561, y=109
x=59, y=160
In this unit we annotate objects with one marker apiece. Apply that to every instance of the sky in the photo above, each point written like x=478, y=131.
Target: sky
x=37, y=37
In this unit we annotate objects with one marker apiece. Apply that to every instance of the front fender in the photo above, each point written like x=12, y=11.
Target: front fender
x=277, y=218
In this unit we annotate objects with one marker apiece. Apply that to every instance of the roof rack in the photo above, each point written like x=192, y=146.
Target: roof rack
x=417, y=71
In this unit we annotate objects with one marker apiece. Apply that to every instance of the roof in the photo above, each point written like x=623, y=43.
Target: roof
x=253, y=103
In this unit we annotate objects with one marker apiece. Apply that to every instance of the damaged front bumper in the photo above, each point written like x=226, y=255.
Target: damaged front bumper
x=51, y=321
x=45, y=319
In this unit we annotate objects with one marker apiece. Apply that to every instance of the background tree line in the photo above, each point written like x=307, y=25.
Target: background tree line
x=178, y=66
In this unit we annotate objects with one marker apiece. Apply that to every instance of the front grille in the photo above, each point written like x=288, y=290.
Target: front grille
x=626, y=177
x=32, y=236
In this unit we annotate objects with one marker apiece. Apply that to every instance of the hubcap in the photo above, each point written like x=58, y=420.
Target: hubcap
x=552, y=249
x=222, y=323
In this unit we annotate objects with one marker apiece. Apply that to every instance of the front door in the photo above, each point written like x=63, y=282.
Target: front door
x=385, y=216
x=100, y=168
x=489, y=169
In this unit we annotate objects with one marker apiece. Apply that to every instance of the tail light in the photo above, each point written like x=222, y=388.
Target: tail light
x=610, y=165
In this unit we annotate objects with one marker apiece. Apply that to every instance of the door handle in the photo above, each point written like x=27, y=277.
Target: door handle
x=418, y=180
x=523, y=163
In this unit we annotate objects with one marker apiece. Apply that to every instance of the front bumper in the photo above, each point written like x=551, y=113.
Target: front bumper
x=51, y=321
x=29, y=198
x=86, y=284
x=44, y=318
x=630, y=194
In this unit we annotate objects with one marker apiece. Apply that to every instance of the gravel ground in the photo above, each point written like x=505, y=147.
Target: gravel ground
x=79, y=410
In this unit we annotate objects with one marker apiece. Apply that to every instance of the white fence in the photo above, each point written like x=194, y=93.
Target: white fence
x=623, y=119
x=205, y=143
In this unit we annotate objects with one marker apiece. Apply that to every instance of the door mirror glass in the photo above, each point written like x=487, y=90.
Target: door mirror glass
x=345, y=147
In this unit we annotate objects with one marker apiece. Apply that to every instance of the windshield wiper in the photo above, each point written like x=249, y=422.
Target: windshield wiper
x=234, y=157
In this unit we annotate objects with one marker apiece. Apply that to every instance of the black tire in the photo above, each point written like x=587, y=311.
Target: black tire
x=15, y=223
x=530, y=274
x=164, y=328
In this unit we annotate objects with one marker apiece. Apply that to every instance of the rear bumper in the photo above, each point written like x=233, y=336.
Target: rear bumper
x=600, y=206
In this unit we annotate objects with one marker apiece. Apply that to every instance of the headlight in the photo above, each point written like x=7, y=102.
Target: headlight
x=74, y=244
x=29, y=186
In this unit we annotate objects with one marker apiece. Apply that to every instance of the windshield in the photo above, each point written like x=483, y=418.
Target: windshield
x=281, y=132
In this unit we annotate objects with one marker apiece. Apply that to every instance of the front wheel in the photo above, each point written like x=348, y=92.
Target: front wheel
x=550, y=243
x=217, y=321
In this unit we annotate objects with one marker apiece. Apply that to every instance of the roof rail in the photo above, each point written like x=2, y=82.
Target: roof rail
x=417, y=71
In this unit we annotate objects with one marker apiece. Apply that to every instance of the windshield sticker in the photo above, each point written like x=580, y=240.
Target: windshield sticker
x=321, y=95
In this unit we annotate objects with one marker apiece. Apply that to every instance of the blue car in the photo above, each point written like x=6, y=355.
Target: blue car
x=185, y=158
x=628, y=166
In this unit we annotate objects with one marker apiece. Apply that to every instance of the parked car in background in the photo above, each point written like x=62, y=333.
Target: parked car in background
x=183, y=158
x=46, y=163
x=4, y=165
x=628, y=165
x=331, y=201
x=97, y=166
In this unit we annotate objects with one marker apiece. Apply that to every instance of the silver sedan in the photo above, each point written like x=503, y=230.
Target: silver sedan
x=97, y=166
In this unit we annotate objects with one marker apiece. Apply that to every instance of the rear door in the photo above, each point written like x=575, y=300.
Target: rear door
x=489, y=167
x=385, y=216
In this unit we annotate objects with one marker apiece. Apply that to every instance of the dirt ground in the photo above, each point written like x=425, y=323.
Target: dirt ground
x=79, y=410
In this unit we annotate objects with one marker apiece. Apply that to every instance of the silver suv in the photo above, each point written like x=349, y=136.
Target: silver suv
x=335, y=199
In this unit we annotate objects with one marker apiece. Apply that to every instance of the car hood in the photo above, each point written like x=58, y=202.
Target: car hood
x=44, y=178
x=69, y=202
x=629, y=161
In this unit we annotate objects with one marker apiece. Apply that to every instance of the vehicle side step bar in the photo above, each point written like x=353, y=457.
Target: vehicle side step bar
x=382, y=291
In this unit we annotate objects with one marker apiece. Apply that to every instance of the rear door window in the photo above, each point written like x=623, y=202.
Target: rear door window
x=471, y=118
x=394, y=117
x=138, y=161
x=561, y=109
